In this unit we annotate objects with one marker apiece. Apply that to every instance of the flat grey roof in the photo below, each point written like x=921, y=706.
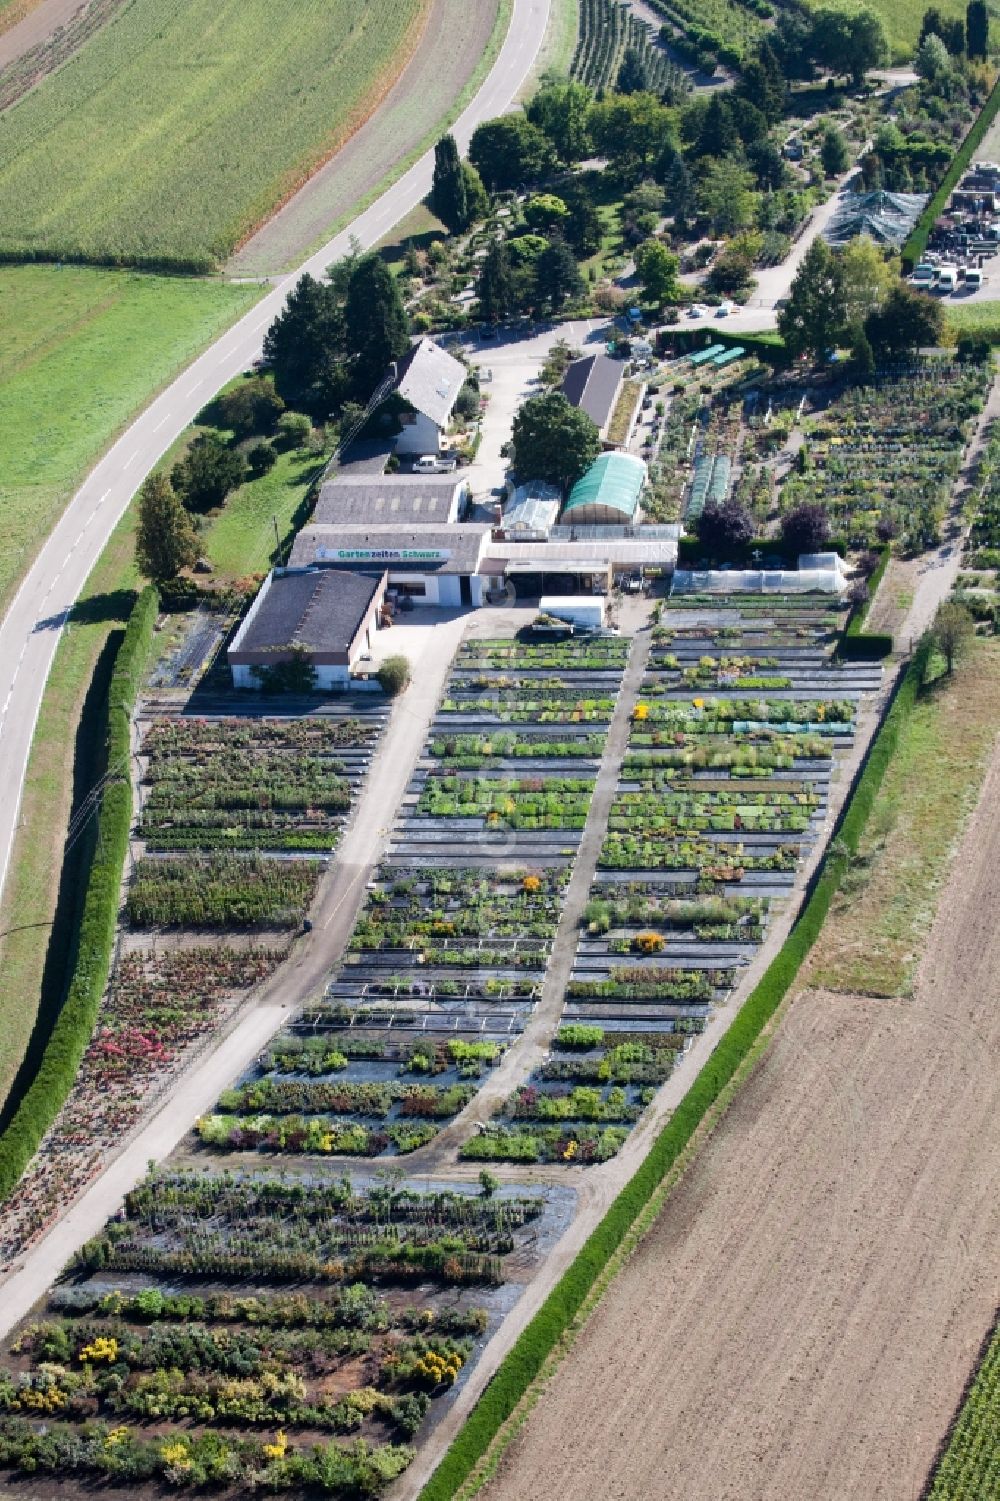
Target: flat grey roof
x=463, y=543
x=320, y=611
x=592, y=385
x=397, y=498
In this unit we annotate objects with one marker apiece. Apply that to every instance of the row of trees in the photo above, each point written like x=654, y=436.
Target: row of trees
x=334, y=341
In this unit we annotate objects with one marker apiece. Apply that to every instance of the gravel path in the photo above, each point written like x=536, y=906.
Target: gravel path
x=801, y=1320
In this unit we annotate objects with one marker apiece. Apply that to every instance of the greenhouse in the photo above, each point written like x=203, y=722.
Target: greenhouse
x=608, y=494
x=886, y=218
x=758, y=581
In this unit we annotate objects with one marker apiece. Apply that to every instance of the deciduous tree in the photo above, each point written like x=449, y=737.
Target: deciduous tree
x=905, y=321
x=553, y=441
x=560, y=109
x=207, y=472
x=953, y=632
x=657, y=267
x=510, y=151
x=805, y=529
x=724, y=526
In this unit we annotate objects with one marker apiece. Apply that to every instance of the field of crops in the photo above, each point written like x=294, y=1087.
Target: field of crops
x=902, y=21
x=164, y=141
x=724, y=28
x=81, y=352
x=607, y=28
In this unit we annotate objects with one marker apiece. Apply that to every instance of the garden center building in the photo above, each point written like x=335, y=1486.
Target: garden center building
x=427, y=564
x=325, y=618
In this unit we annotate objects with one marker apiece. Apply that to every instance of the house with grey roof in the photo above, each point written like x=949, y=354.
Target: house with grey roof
x=594, y=384
x=327, y=618
x=428, y=379
x=396, y=499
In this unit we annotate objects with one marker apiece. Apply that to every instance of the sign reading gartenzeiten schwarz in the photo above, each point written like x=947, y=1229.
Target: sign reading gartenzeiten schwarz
x=383, y=554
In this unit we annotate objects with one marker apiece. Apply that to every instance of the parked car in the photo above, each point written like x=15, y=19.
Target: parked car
x=724, y=309
x=430, y=463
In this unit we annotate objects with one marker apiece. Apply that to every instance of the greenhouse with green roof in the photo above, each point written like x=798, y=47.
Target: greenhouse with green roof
x=608, y=493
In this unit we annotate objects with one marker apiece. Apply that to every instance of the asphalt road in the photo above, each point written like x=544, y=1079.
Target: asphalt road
x=31, y=629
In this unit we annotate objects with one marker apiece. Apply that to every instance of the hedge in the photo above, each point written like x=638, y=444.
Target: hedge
x=917, y=243
x=857, y=644
x=767, y=344
x=75, y=1023
x=525, y=1360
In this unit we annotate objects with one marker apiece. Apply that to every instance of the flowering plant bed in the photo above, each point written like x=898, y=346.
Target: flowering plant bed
x=320, y=1388
x=158, y=1006
x=578, y=1144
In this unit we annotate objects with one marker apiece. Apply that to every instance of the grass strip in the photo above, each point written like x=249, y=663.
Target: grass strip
x=917, y=243
x=75, y=1023
x=857, y=644
x=550, y=1323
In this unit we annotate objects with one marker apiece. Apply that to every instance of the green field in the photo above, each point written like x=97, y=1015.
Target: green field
x=873, y=939
x=970, y=1467
x=81, y=352
x=901, y=19
x=241, y=538
x=981, y=320
x=175, y=131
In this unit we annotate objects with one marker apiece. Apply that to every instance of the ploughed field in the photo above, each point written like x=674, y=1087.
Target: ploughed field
x=722, y=792
x=802, y=1318
x=168, y=138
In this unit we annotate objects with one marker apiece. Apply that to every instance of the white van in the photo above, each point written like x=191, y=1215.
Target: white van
x=973, y=281
x=923, y=274
x=947, y=279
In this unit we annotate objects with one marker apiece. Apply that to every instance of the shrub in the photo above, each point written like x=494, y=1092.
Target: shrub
x=261, y=458
x=393, y=675
x=294, y=428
